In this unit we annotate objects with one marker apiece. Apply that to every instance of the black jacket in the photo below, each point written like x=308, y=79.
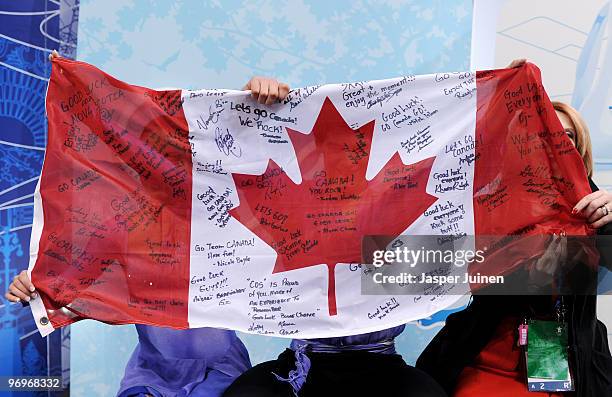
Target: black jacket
x=467, y=332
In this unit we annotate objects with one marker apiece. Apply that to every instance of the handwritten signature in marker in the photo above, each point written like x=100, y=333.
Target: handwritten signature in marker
x=214, y=112
x=226, y=143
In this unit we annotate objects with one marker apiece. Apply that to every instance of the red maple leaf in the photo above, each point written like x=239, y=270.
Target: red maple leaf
x=323, y=219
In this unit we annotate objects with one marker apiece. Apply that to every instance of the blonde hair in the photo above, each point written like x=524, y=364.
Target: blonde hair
x=582, y=138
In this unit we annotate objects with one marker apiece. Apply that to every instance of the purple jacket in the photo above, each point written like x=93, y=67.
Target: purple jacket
x=369, y=341
x=180, y=363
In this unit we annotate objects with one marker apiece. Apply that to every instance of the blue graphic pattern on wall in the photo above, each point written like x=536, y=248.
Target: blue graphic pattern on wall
x=222, y=43
x=29, y=30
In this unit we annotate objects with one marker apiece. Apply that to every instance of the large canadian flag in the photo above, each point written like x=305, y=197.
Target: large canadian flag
x=187, y=209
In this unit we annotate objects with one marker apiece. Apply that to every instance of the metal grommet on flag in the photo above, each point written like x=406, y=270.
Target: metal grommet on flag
x=41, y=317
x=44, y=320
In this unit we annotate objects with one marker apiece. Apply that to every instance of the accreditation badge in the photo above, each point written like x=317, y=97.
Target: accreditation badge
x=547, y=357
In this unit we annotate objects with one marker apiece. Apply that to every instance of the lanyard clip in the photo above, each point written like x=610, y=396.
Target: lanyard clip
x=523, y=330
